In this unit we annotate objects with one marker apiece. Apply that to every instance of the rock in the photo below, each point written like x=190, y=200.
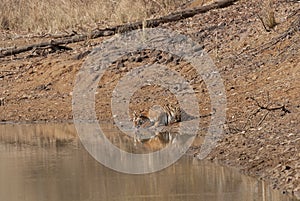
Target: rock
x=45, y=87
x=138, y=59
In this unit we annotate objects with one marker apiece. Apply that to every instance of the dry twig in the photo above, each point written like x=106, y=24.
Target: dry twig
x=270, y=109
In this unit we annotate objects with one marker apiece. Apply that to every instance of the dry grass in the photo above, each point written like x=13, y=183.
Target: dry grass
x=267, y=15
x=198, y=3
x=54, y=15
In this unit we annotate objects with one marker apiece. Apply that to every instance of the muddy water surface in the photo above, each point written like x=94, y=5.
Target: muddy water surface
x=62, y=170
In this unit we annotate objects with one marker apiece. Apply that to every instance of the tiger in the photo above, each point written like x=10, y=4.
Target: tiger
x=157, y=115
x=149, y=125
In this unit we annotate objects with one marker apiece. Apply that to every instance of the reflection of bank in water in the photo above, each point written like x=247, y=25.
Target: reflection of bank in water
x=60, y=134
x=39, y=134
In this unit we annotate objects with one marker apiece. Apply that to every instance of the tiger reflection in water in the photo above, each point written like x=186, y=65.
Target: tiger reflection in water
x=147, y=123
x=160, y=125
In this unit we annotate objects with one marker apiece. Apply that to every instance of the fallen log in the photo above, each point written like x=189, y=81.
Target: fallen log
x=151, y=23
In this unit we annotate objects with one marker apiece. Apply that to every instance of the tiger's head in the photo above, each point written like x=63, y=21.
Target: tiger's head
x=141, y=121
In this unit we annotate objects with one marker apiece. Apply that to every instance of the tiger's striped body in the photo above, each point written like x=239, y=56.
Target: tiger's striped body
x=157, y=116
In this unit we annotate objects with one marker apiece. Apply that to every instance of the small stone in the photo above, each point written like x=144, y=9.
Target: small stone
x=120, y=64
x=131, y=59
x=254, y=77
x=138, y=59
x=123, y=69
x=297, y=194
x=162, y=61
x=2, y=101
x=170, y=58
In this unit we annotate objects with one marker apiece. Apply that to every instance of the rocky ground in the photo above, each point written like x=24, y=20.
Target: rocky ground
x=260, y=70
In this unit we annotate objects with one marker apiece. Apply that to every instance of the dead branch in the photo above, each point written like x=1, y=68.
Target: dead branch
x=270, y=109
x=258, y=110
x=123, y=28
x=262, y=119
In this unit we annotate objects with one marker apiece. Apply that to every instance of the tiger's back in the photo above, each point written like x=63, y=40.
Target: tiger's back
x=158, y=116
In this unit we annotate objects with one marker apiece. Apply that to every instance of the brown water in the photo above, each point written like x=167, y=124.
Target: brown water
x=66, y=172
